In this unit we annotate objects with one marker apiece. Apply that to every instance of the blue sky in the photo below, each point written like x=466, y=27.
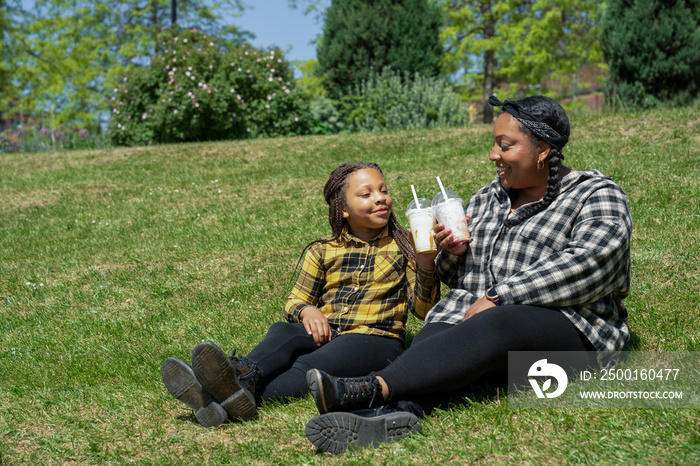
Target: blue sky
x=274, y=23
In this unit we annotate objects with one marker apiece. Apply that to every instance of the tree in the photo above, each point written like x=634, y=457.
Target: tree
x=524, y=44
x=360, y=36
x=65, y=53
x=652, y=48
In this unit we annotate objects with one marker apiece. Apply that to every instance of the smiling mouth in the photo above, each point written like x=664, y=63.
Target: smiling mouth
x=381, y=211
x=501, y=170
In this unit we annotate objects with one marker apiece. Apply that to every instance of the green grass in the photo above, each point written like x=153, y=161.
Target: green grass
x=113, y=260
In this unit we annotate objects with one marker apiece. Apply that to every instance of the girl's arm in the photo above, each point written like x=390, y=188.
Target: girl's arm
x=309, y=285
x=423, y=289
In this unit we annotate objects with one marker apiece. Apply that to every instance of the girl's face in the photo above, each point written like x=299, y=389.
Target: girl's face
x=516, y=156
x=367, y=203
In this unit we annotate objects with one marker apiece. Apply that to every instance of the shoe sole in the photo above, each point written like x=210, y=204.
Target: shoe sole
x=214, y=371
x=336, y=432
x=313, y=380
x=178, y=377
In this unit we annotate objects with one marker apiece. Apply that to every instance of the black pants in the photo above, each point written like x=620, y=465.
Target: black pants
x=287, y=352
x=444, y=359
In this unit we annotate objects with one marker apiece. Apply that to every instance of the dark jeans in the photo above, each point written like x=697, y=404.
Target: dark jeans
x=287, y=352
x=444, y=359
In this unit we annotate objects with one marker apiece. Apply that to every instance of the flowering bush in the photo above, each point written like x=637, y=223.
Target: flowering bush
x=198, y=90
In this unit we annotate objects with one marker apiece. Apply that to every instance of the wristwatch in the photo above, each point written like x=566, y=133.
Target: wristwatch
x=492, y=296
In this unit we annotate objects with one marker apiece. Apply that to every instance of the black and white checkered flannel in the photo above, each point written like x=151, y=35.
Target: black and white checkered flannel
x=573, y=256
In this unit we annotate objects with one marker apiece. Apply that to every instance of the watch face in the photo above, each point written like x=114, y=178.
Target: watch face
x=491, y=294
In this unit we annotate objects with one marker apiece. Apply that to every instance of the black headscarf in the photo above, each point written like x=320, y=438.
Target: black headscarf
x=539, y=128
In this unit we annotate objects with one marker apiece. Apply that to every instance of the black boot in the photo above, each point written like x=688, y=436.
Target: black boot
x=247, y=372
x=215, y=372
x=182, y=384
x=343, y=393
x=335, y=432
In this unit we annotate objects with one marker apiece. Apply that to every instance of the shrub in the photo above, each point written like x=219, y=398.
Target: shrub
x=393, y=101
x=326, y=117
x=199, y=90
x=33, y=139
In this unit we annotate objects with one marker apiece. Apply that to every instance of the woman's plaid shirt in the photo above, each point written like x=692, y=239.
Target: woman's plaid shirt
x=362, y=287
x=573, y=256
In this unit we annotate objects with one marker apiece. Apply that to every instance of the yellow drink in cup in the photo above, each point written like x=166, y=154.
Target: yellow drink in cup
x=421, y=220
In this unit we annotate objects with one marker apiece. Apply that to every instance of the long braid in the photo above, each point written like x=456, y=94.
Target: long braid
x=402, y=238
x=553, y=184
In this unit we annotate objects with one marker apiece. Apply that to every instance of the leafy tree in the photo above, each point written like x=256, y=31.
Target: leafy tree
x=310, y=83
x=361, y=36
x=653, y=50
x=525, y=44
x=66, y=52
x=200, y=88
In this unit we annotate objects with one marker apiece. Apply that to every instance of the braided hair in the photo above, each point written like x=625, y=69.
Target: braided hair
x=541, y=119
x=334, y=194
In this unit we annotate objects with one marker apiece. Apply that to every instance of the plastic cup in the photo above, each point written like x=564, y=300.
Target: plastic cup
x=421, y=220
x=450, y=212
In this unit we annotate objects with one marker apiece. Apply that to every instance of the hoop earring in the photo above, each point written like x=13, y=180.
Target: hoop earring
x=540, y=164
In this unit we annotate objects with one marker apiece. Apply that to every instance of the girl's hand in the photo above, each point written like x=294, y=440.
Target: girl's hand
x=426, y=260
x=316, y=324
x=445, y=240
x=480, y=305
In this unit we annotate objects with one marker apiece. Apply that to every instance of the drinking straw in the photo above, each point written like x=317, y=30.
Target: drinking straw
x=442, y=188
x=415, y=197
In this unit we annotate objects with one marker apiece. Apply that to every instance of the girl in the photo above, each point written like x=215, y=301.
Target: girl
x=345, y=314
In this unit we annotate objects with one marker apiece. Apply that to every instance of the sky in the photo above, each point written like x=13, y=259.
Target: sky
x=274, y=23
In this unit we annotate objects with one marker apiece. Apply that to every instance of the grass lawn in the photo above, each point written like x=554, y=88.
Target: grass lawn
x=113, y=260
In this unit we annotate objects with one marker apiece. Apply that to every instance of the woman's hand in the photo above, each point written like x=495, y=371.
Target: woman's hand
x=480, y=305
x=316, y=324
x=445, y=240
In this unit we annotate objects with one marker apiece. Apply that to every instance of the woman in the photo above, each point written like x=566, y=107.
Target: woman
x=547, y=269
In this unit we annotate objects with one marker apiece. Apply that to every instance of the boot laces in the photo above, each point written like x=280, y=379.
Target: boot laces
x=360, y=388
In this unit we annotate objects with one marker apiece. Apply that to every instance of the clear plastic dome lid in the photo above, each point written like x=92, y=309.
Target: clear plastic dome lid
x=439, y=198
x=423, y=203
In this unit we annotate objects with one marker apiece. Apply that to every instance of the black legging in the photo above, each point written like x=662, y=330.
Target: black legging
x=287, y=352
x=444, y=359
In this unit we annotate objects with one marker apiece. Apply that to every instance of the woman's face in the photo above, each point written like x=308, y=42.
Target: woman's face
x=516, y=156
